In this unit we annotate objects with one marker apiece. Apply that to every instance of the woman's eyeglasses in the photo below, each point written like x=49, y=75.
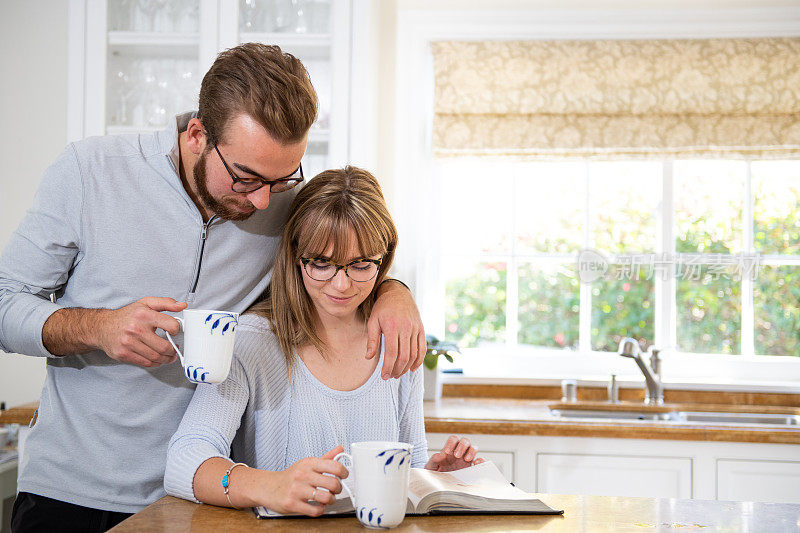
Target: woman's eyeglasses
x=361, y=270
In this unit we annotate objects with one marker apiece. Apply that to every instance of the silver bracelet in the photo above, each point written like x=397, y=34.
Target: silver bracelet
x=226, y=482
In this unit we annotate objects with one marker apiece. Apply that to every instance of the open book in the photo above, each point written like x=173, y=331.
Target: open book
x=477, y=489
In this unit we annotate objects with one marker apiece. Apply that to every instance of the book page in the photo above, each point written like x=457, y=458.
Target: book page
x=481, y=480
x=485, y=473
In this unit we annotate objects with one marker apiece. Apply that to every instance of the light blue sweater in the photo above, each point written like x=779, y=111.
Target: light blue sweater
x=256, y=417
x=110, y=224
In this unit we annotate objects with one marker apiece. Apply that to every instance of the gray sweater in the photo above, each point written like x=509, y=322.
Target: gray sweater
x=258, y=418
x=110, y=224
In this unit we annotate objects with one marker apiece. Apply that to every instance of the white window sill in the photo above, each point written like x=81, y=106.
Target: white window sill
x=772, y=374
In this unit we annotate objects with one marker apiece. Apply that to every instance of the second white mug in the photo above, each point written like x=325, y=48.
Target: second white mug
x=380, y=487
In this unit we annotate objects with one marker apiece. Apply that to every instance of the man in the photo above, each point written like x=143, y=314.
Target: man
x=125, y=229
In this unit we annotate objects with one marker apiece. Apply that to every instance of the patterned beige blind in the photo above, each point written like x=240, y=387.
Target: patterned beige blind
x=618, y=98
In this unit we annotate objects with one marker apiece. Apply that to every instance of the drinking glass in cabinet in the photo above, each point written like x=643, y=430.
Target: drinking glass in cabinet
x=123, y=89
x=284, y=16
x=185, y=16
x=144, y=92
x=121, y=15
x=250, y=12
x=153, y=11
x=300, y=8
x=319, y=16
x=155, y=89
x=258, y=16
x=180, y=16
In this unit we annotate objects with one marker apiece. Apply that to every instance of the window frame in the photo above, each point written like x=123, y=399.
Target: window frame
x=415, y=167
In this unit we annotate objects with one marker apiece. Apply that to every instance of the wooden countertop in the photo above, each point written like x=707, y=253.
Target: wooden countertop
x=581, y=513
x=21, y=414
x=504, y=416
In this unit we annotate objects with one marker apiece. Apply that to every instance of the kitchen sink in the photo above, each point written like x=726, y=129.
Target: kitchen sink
x=739, y=418
x=715, y=417
x=612, y=415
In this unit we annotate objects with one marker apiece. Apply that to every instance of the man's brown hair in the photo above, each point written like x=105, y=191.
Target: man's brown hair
x=269, y=85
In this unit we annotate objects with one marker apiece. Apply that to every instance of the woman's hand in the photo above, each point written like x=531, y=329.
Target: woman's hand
x=455, y=455
x=290, y=490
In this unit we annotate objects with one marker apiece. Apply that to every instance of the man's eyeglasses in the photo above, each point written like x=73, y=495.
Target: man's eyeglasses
x=245, y=185
x=358, y=270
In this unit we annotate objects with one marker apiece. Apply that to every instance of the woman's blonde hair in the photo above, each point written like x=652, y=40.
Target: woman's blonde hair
x=332, y=208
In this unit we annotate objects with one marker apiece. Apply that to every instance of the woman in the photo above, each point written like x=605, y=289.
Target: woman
x=299, y=385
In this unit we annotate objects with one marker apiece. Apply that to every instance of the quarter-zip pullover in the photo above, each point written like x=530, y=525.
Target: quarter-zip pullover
x=111, y=223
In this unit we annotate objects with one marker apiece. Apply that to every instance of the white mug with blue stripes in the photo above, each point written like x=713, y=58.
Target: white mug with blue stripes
x=207, y=344
x=378, y=481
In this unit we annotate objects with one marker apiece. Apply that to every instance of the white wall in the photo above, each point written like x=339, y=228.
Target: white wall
x=33, y=97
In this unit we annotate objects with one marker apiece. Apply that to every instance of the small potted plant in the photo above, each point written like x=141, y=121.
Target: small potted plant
x=433, y=381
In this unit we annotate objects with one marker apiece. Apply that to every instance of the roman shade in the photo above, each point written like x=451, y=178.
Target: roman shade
x=612, y=99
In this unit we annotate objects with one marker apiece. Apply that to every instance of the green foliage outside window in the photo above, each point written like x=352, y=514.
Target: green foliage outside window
x=776, y=297
x=622, y=307
x=709, y=313
x=708, y=299
x=549, y=306
x=776, y=290
x=776, y=216
x=476, y=306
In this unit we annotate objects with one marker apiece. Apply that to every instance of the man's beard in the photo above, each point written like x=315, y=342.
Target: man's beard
x=219, y=208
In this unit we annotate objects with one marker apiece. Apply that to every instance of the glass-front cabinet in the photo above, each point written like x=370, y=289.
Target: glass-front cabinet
x=134, y=64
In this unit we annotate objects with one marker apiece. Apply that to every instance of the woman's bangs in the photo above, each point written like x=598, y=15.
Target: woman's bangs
x=319, y=232
x=371, y=240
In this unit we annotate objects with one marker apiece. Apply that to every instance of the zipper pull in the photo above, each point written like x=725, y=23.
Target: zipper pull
x=204, y=233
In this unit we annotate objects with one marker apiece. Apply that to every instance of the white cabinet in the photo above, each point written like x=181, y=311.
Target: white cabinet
x=644, y=467
x=134, y=64
x=608, y=475
x=8, y=489
x=758, y=481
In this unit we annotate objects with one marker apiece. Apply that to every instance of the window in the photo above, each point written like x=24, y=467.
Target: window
x=512, y=232
x=570, y=91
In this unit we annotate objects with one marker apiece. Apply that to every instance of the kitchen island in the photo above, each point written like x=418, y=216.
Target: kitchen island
x=581, y=513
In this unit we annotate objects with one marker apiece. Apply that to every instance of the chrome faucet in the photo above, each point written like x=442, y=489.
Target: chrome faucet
x=654, y=394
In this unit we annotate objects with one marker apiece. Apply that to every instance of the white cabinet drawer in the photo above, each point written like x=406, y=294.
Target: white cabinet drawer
x=758, y=481
x=607, y=475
